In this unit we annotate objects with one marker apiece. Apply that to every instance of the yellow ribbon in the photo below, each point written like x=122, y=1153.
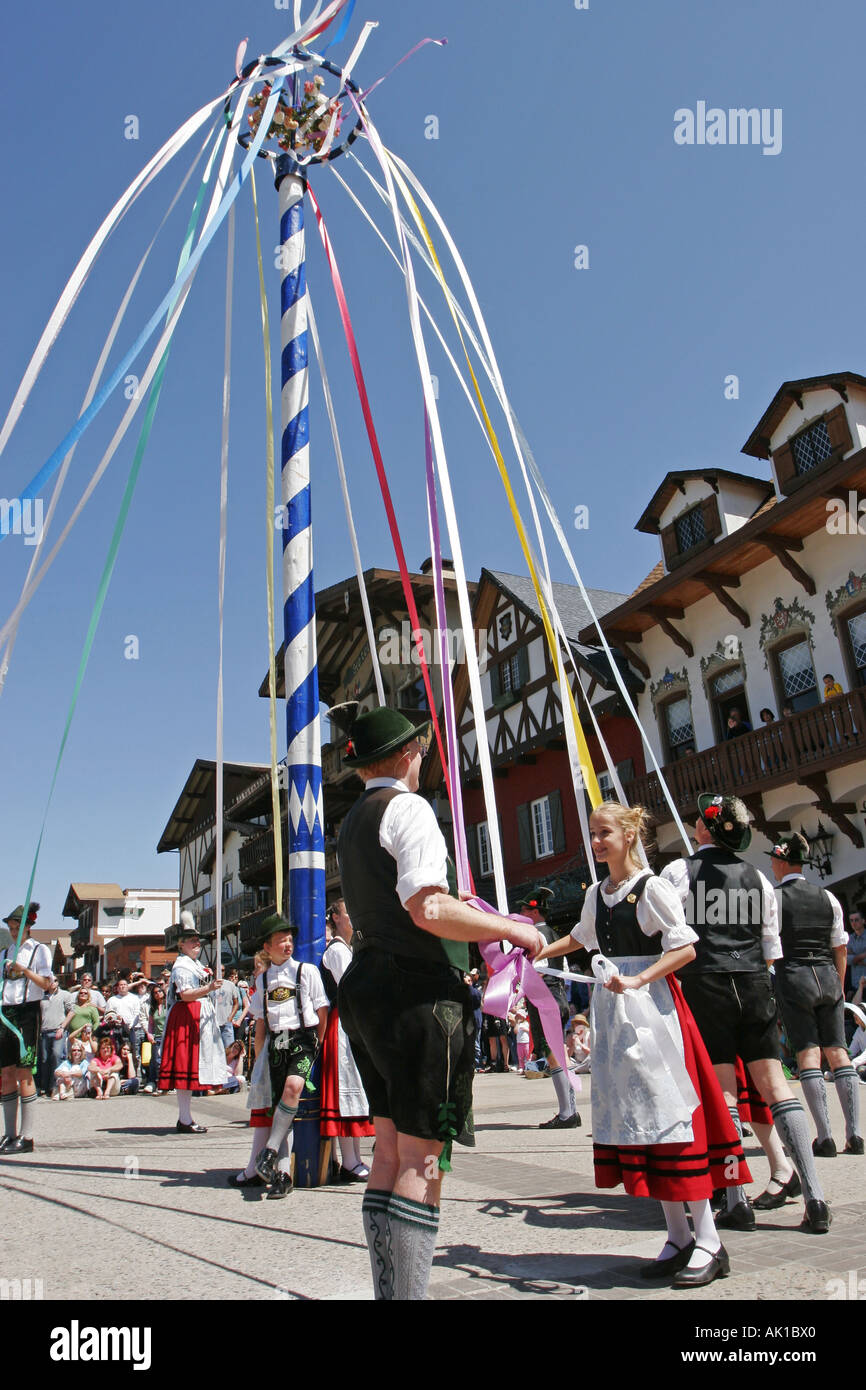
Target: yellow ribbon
x=589, y=777
x=269, y=558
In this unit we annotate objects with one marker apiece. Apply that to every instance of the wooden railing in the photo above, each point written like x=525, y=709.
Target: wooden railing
x=812, y=741
x=233, y=910
x=258, y=852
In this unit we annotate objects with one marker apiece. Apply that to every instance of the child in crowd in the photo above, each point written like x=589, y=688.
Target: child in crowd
x=577, y=1043
x=235, y=1064
x=72, y=1076
x=128, y=1078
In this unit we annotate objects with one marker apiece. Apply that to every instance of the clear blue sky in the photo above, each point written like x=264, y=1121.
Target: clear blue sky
x=556, y=128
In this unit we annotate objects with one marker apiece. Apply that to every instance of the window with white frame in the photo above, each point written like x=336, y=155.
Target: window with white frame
x=542, y=827
x=606, y=787
x=485, y=858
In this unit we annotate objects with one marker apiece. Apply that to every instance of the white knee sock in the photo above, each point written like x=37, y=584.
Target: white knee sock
x=260, y=1137
x=679, y=1235
x=706, y=1236
x=184, y=1107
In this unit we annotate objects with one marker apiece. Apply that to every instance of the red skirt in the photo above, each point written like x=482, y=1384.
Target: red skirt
x=178, y=1067
x=750, y=1103
x=333, y=1125
x=682, y=1172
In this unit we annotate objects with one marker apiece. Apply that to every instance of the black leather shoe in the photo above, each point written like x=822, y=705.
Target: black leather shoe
x=346, y=1175
x=719, y=1267
x=19, y=1146
x=281, y=1186
x=740, y=1218
x=190, y=1129
x=570, y=1122
x=660, y=1269
x=266, y=1165
x=6, y=1141
x=817, y=1219
x=824, y=1148
x=234, y=1180
x=854, y=1146
x=770, y=1201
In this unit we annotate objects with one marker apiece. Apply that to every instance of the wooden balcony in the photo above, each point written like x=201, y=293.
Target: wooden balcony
x=251, y=926
x=256, y=858
x=802, y=748
x=233, y=910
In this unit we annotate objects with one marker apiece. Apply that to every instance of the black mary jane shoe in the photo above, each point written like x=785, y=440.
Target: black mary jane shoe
x=718, y=1267
x=771, y=1201
x=347, y=1175
x=660, y=1269
x=817, y=1219
x=190, y=1129
x=234, y=1180
x=281, y=1186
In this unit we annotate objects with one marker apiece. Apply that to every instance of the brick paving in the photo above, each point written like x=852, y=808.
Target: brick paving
x=114, y=1203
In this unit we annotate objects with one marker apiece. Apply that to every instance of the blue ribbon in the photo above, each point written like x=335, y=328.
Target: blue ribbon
x=343, y=29
x=48, y=469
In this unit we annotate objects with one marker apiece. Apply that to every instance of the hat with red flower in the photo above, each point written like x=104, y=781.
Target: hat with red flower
x=373, y=734
x=727, y=819
x=793, y=849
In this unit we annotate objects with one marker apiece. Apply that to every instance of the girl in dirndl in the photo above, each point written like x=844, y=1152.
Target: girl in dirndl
x=345, y=1111
x=193, y=1057
x=660, y=1123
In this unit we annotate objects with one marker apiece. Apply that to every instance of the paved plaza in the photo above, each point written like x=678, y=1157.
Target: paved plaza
x=114, y=1203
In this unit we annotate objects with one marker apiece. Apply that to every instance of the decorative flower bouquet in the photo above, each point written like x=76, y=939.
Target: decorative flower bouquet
x=309, y=122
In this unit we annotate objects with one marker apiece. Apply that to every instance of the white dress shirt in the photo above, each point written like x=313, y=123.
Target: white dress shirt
x=35, y=956
x=677, y=874
x=285, y=1013
x=337, y=958
x=410, y=833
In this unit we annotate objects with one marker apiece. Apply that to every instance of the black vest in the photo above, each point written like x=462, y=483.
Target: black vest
x=368, y=876
x=807, y=921
x=616, y=928
x=725, y=908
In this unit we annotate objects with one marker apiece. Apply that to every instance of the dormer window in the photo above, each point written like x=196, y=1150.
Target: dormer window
x=690, y=529
x=811, y=447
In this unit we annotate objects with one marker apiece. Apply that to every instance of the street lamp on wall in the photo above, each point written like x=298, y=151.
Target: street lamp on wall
x=819, y=849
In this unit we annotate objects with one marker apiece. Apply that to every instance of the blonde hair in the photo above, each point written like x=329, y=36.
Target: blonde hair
x=628, y=818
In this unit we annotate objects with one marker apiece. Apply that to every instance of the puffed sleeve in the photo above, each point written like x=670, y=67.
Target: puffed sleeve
x=660, y=909
x=184, y=979
x=584, y=931
x=677, y=874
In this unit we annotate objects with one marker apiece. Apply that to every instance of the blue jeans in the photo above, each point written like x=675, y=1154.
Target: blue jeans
x=227, y=1033
x=153, y=1065
x=52, y=1051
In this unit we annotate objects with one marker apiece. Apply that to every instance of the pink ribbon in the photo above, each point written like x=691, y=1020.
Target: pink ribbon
x=511, y=974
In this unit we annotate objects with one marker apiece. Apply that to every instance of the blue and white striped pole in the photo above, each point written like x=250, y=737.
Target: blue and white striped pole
x=304, y=758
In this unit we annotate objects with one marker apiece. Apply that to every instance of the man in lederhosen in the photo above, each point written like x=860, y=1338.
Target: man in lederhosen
x=536, y=906
x=810, y=980
x=727, y=986
x=403, y=1000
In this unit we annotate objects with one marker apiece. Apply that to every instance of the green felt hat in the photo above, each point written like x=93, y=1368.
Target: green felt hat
x=727, y=819
x=18, y=912
x=793, y=849
x=538, y=900
x=270, y=926
x=375, y=733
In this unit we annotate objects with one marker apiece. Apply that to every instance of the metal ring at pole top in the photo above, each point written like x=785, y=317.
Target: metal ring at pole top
x=287, y=161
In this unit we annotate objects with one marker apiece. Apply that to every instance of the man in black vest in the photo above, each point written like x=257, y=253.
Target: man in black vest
x=403, y=1000
x=732, y=907
x=535, y=907
x=810, y=981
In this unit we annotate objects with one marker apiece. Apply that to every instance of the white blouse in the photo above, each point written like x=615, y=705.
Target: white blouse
x=658, y=910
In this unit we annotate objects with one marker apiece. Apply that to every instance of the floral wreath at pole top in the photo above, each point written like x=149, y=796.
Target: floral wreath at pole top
x=302, y=118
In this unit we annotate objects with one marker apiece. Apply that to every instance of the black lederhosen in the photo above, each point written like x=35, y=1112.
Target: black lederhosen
x=290, y=1053
x=812, y=1004
x=27, y=1018
x=412, y=1030
x=735, y=1013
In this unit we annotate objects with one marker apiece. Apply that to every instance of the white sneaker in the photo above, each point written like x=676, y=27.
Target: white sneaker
x=148, y=1090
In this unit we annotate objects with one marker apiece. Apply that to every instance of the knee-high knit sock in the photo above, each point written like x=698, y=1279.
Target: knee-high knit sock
x=733, y=1195
x=284, y=1158
x=815, y=1096
x=184, y=1107
x=284, y=1118
x=414, y=1226
x=10, y=1113
x=564, y=1094
x=375, y=1213
x=848, y=1090
x=28, y=1114
x=790, y=1120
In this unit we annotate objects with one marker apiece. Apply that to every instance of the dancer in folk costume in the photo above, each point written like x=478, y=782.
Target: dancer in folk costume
x=290, y=1007
x=660, y=1125
x=193, y=1057
x=345, y=1112
x=809, y=986
x=727, y=986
